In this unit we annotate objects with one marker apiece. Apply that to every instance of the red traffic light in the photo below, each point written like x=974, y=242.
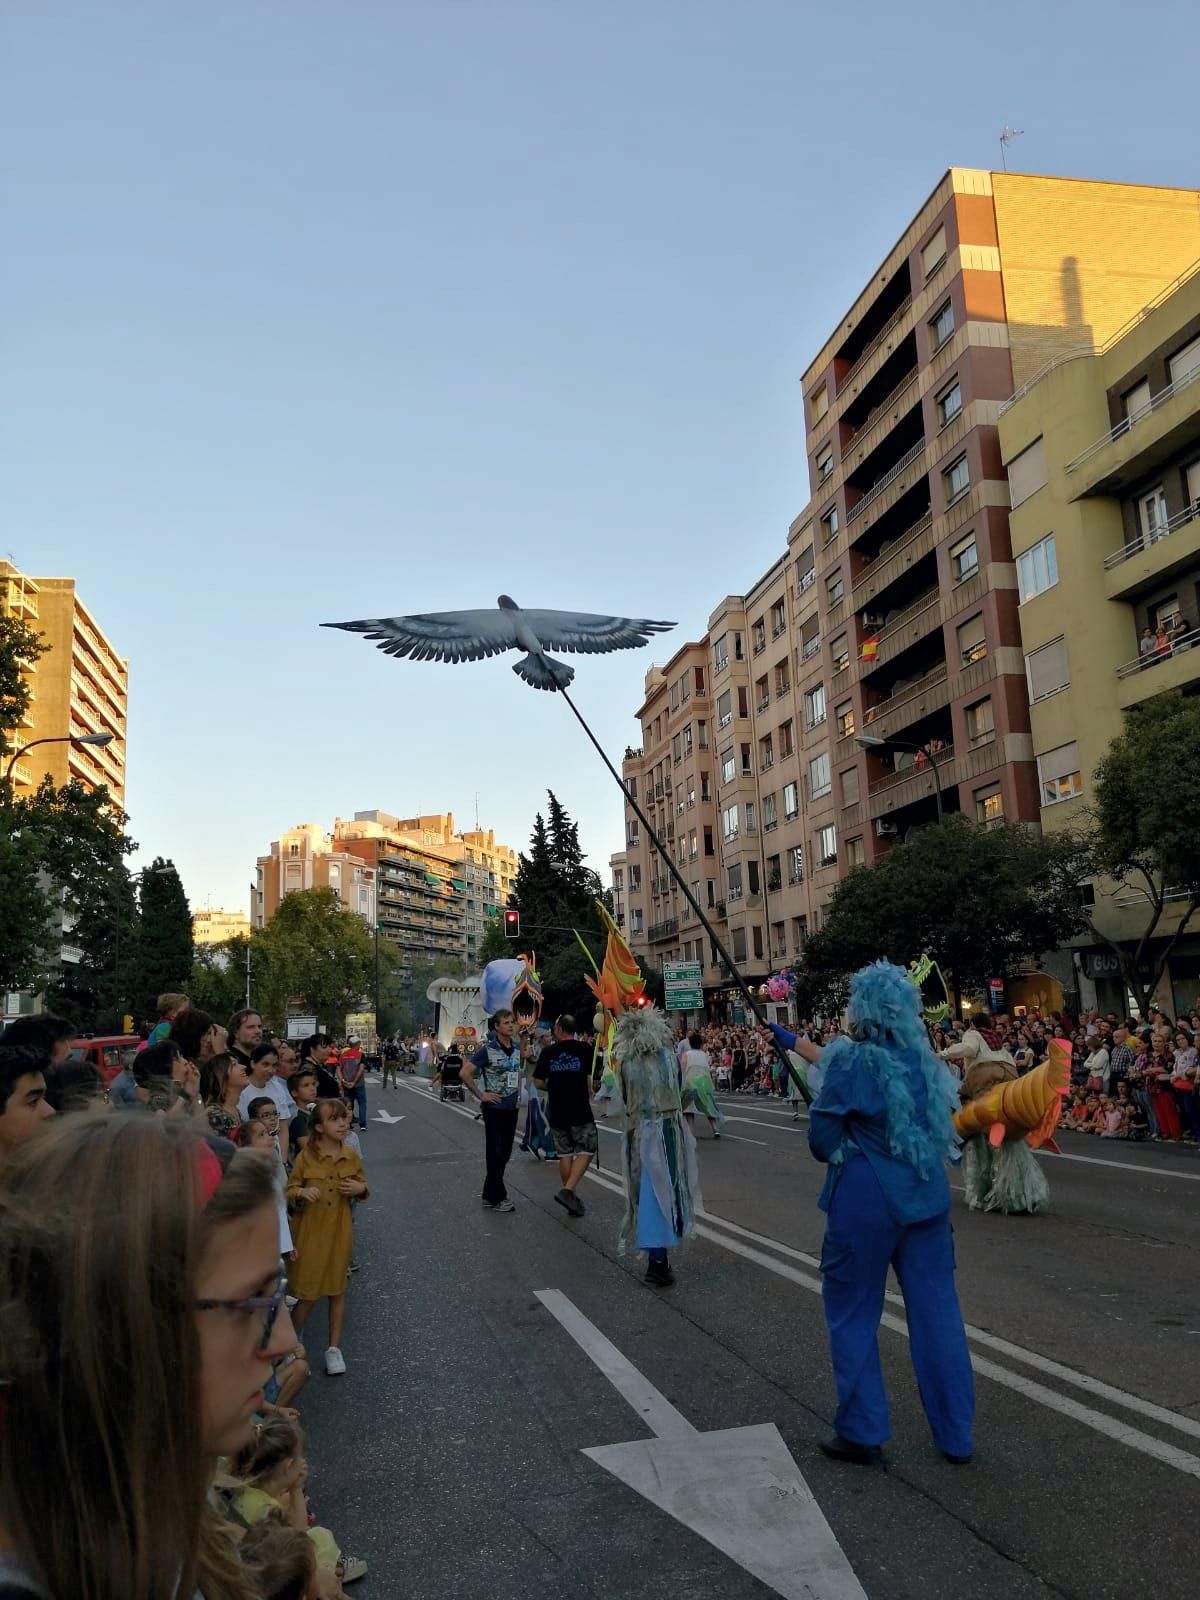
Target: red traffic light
x=512, y=924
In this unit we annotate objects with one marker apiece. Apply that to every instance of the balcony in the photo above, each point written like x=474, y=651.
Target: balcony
x=876, y=344
x=1139, y=442
x=876, y=412
x=1140, y=678
x=659, y=931
x=1143, y=562
x=919, y=618
x=891, y=476
x=906, y=705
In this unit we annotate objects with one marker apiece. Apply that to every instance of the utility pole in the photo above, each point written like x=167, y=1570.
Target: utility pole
x=247, y=974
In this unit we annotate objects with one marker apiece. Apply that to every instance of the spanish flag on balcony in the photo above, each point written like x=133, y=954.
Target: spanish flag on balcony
x=870, y=648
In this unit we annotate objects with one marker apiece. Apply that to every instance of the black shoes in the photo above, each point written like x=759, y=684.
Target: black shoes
x=957, y=1461
x=659, y=1275
x=859, y=1455
x=570, y=1201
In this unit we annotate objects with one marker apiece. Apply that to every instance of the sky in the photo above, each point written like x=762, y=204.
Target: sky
x=323, y=311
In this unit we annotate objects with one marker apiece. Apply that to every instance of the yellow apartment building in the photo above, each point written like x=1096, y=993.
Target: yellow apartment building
x=215, y=927
x=1103, y=456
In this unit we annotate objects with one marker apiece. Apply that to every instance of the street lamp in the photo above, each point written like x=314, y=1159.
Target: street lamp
x=872, y=741
x=97, y=739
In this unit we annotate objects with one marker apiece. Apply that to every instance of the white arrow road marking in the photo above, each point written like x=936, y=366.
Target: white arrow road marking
x=386, y=1116
x=738, y=1488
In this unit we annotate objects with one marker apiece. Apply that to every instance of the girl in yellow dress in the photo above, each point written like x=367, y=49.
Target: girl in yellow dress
x=326, y=1177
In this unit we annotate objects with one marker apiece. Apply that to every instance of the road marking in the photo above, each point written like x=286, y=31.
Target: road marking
x=385, y=1116
x=1122, y=1166
x=738, y=1488
x=1015, y=1352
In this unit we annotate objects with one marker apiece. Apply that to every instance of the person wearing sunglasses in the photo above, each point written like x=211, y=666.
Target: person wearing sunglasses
x=141, y=1297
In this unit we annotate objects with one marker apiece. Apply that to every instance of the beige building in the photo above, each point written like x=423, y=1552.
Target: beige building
x=1103, y=456
x=79, y=686
x=875, y=674
x=215, y=927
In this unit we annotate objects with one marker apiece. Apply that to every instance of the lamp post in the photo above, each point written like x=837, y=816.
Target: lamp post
x=872, y=741
x=98, y=739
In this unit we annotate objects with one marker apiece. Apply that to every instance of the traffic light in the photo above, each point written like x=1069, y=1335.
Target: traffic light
x=512, y=924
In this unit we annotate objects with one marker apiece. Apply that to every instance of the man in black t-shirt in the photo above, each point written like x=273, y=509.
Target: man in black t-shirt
x=564, y=1071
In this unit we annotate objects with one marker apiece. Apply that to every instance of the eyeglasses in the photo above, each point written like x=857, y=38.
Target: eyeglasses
x=256, y=1304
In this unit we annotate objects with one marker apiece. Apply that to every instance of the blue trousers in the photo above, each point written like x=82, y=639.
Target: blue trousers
x=861, y=1242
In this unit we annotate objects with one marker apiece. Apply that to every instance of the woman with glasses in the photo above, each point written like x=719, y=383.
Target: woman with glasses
x=141, y=1299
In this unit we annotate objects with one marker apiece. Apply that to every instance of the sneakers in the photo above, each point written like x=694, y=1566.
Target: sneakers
x=335, y=1362
x=859, y=1455
x=498, y=1205
x=659, y=1275
x=570, y=1201
x=351, y=1567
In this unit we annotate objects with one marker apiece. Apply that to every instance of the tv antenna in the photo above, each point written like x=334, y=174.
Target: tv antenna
x=1007, y=135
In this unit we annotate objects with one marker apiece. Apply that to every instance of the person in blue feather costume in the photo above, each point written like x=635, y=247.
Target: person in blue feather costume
x=882, y=1122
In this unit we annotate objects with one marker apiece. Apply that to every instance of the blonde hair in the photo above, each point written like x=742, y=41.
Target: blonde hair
x=170, y=1002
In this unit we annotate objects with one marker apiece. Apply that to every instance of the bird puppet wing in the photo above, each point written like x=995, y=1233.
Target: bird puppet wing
x=587, y=633
x=439, y=635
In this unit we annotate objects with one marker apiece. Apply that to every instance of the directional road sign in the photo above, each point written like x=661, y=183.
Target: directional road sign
x=682, y=983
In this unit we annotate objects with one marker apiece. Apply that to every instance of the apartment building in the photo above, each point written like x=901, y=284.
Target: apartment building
x=215, y=927
x=1103, y=457
x=79, y=686
x=875, y=678
x=616, y=883
x=306, y=857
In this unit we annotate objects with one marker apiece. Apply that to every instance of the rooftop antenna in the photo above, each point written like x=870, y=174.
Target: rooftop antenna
x=477, y=811
x=1007, y=135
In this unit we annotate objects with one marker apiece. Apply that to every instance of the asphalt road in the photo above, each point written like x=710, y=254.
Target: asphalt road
x=450, y=1455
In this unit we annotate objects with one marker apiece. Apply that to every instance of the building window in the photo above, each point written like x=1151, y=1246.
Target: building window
x=739, y=939
x=844, y=718
x=1027, y=472
x=1135, y=402
x=814, y=706
x=766, y=751
x=949, y=403
x=702, y=735
x=980, y=726
x=758, y=636
x=721, y=653
x=956, y=480
x=820, y=779
x=710, y=848
x=729, y=823
x=806, y=569
x=1185, y=363
x=841, y=654
x=824, y=465
x=769, y=817
x=818, y=402
x=964, y=559
x=734, y=879
x=634, y=835
x=941, y=325
x=1046, y=669
x=1058, y=774
x=728, y=766
x=778, y=619
x=972, y=640
x=687, y=740
x=693, y=845
x=725, y=709
x=850, y=786
x=691, y=792
x=747, y=764
x=829, y=526
x=1152, y=514
x=835, y=591
x=1037, y=569
x=796, y=864
x=810, y=637
x=791, y=801
x=705, y=787
x=855, y=853
x=635, y=921
x=786, y=741
x=989, y=804
x=934, y=253
x=677, y=748
x=783, y=682
x=826, y=845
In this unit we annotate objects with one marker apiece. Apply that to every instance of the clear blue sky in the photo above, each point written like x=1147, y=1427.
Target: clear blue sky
x=317, y=311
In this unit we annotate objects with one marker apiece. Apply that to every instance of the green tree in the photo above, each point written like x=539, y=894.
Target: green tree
x=1143, y=833
x=163, y=959
x=556, y=893
x=20, y=647
x=980, y=901
x=26, y=926
x=217, y=982
x=316, y=956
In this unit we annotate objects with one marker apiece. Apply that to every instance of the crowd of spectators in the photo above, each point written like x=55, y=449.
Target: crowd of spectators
x=184, y=1470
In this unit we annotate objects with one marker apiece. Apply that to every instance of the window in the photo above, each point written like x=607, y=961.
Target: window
x=1152, y=514
x=829, y=526
x=691, y=792
x=729, y=823
x=677, y=748
x=1058, y=774
x=1135, y=402
x=799, y=933
x=721, y=653
x=844, y=718
x=820, y=779
x=1047, y=669
x=739, y=941
x=786, y=741
x=743, y=702
x=814, y=706
x=725, y=709
x=810, y=637
x=747, y=766
x=783, y=682
x=805, y=569
x=778, y=619
x=710, y=848
x=698, y=675
x=1192, y=484
x=710, y=891
x=766, y=752
x=934, y=253
x=758, y=636
x=826, y=845
x=980, y=726
x=941, y=325
x=769, y=817
x=824, y=465
x=1185, y=363
x=972, y=640
x=841, y=654
x=674, y=697
x=752, y=883
x=635, y=921
x=949, y=403
x=1037, y=569
x=856, y=855
x=835, y=590
x=687, y=740
x=850, y=787
x=702, y=735
x=762, y=694
x=728, y=766
x=705, y=787
x=1027, y=472
x=757, y=941
x=634, y=835
x=956, y=480
x=693, y=846
x=791, y=802
x=738, y=653
x=989, y=804
x=964, y=559
x=734, y=879
x=818, y=402
x=795, y=858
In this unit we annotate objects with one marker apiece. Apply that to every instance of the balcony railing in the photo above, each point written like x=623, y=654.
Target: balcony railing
x=889, y=477
x=663, y=930
x=890, y=551
x=869, y=350
x=1126, y=424
x=1145, y=541
x=876, y=412
x=911, y=771
x=912, y=691
x=810, y=648
x=1182, y=642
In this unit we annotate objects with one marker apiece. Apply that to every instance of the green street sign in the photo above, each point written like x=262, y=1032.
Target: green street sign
x=682, y=983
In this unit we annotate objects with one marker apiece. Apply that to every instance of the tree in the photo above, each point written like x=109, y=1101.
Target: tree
x=26, y=927
x=163, y=958
x=217, y=983
x=20, y=647
x=1143, y=833
x=316, y=956
x=978, y=900
x=556, y=893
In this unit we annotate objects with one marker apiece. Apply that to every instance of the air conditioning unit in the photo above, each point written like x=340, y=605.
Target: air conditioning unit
x=872, y=619
x=885, y=829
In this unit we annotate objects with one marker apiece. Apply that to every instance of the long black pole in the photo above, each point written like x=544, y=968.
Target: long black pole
x=687, y=893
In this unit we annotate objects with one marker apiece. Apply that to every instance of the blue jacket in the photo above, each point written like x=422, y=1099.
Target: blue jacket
x=849, y=1121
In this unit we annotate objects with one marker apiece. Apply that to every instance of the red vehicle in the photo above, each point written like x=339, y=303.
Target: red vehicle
x=108, y=1053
